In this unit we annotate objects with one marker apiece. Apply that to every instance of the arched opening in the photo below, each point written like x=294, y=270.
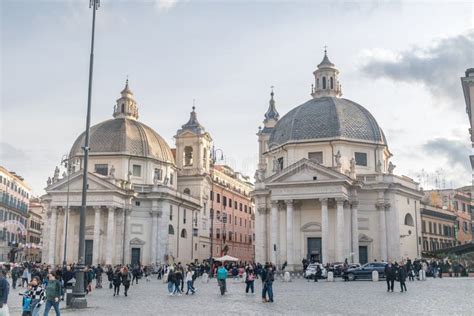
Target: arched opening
x=188, y=156
x=317, y=83
x=170, y=230
x=409, y=220
x=331, y=83
x=324, y=82
x=187, y=191
x=184, y=234
x=123, y=108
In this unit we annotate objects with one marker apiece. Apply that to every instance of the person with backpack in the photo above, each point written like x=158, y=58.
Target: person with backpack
x=222, y=277
x=53, y=295
x=117, y=280
x=126, y=277
x=33, y=297
x=249, y=280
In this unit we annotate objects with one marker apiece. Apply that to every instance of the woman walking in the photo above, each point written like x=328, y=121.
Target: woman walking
x=126, y=277
x=117, y=280
x=189, y=281
x=35, y=293
x=249, y=280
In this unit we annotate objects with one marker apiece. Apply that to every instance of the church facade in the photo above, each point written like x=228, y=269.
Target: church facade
x=146, y=203
x=325, y=186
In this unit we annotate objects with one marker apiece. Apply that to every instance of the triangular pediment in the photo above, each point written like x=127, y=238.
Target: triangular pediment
x=95, y=183
x=307, y=170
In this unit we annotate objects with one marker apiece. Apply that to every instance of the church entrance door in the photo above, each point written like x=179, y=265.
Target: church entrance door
x=135, y=256
x=314, y=249
x=363, y=255
x=89, y=250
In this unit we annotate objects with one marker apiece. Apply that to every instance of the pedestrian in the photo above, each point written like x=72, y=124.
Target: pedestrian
x=125, y=279
x=390, y=275
x=189, y=281
x=402, y=276
x=36, y=295
x=221, y=278
x=170, y=278
x=178, y=278
x=268, y=284
x=15, y=275
x=249, y=280
x=4, y=291
x=117, y=280
x=146, y=270
x=318, y=273
x=110, y=276
x=26, y=276
x=53, y=294
x=98, y=277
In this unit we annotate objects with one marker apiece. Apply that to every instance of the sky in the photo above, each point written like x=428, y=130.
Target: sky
x=402, y=60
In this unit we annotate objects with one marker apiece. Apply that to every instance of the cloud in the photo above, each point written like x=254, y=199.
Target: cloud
x=455, y=151
x=438, y=67
x=9, y=153
x=165, y=5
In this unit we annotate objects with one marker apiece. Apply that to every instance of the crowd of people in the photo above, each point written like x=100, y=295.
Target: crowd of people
x=44, y=285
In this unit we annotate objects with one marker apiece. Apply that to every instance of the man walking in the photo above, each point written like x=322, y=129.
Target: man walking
x=390, y=276
x=221, y=278
x=53, y=293
x=268, y=284
x=4, y=291
x=402, y=276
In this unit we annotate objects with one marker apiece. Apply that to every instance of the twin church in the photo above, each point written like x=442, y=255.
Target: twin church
x=325, y=188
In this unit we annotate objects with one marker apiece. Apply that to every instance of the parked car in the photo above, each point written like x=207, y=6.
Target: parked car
x=311, y=271
x=365, y=272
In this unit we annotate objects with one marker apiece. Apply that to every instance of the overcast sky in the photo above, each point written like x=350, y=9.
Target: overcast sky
x=401, y=60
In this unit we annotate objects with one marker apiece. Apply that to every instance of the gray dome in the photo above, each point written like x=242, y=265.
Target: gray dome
x=327, y=118
x=124, y=136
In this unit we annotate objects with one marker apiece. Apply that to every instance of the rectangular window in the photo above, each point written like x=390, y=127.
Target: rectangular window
x=434, y=228
x=102, y=169
x=171, y=178
x=230, y=202
x=171, y=212
x=245, y=208
x=360, y=159
x=423, y=227
x=430, y=227
x=184, y=216
x=316, y=156
x=230, y=219
x=235, y=204
x=218, y=233
x=240, y=207
x=137, y=203
x=137, y=170
x=195, y=232
x=224, y=200
x=218, y=198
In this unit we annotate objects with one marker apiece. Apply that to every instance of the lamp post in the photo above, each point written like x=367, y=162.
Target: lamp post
x=65, y=162
x=214, y=152
x=79, y=295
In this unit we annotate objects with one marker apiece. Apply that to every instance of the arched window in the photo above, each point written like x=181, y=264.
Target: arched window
x=184, y=234
x=409, y=220
x=332, y=83
x=317, y=83
x=188, y=156
x=187, y=191
x=324, y=82
x=170, y=230
x=123, y=108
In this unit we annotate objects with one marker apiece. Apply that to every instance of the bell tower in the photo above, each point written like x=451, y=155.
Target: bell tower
x=193, y=145
x=271, y=118
x=326, y=79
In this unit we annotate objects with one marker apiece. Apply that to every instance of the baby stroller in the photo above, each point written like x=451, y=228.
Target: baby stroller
x=26, y=304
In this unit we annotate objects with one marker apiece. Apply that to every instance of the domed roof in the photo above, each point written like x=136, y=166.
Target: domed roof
x=124, y=136
x=327, y=118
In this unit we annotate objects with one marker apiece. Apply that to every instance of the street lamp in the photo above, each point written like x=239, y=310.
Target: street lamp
x=66, y=163
x=78, y=293
x=213, y=153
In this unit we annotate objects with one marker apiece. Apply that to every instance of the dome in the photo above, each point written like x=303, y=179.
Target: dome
x=327, y=118
x=124, y=136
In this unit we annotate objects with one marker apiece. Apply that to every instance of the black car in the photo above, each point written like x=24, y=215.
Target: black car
x=365, y=272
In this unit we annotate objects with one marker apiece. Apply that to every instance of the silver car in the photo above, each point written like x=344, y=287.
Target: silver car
x=311, y=271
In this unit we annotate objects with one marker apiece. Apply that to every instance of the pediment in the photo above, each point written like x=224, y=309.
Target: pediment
x=365, y=238
x=306, y=170
x=95, y=183
x=137, y=242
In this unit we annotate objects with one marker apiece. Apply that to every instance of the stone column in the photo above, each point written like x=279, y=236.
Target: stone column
x=110, y=235
x=154, y=236
x=96, y=245
x=324, y=231
x=340, y=227
x=126, y=241
x=382, y=231
x=52, y=235
x=274, y=232
x=355, y=231
x=289, y=235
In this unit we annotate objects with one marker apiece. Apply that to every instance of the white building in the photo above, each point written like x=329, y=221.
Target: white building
x=325, y=188
x=135, y=211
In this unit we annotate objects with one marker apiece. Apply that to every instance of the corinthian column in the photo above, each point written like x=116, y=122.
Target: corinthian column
x=154, y=235
x=110, y=235
x=96, y=245
x=52, y=235
x=274, y=232
x=340, y=230
x=289, y=234
x=324, y=231
x=355, y=231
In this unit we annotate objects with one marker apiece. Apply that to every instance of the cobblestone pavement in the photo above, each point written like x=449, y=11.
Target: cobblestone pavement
x=434, y=297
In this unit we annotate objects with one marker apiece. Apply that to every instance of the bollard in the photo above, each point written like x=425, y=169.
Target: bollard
x=287, y=277
x=330, y=276
x=68, y=294
x=422, y=275
x=205, y=278
x=375, y=276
